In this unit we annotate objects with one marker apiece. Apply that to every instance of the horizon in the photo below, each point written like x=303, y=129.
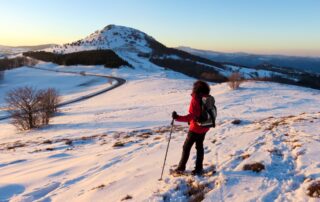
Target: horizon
x=287, y=28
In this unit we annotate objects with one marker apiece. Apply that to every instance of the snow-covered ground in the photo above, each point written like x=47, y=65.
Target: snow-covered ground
x=126, y=41
x=249, y=73
x=70, y=86
x=75, y=158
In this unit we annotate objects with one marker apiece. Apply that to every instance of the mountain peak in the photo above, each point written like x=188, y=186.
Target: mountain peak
x=108, y=27
x=114, y=37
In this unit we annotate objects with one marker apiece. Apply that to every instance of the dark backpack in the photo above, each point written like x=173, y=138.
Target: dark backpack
x=208, y=112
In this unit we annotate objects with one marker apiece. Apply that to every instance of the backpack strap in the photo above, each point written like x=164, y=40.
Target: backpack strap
x=209, y=111
x=201, y=105
x=212, y=118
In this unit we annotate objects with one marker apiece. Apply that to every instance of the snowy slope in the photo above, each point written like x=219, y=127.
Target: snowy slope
x=111, y=147
x=251, y=60
x=74, y=158
x=135, y=46
x=114, y=37
x=13, y=51
x=69, y=86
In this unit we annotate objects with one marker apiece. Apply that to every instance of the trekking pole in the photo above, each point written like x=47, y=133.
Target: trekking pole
x=165, y=158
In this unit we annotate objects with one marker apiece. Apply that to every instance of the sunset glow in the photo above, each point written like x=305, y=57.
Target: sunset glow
x=286, y=27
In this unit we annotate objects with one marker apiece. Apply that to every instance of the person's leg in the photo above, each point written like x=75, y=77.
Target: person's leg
x=200, y=152
x=186, y=151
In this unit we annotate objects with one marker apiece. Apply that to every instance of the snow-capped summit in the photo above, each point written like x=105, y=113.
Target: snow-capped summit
x=114, y=37
x=142, y=51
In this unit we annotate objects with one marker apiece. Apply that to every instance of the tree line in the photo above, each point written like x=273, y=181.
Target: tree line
x=10, y=63
x=108, y=58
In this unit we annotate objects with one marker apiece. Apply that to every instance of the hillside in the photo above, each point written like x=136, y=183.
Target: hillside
x=14, y=50
x=108, y=58
x=310, y=64
x=30, y=48
x=70, y=86
x=137, y=47
x=113, y=145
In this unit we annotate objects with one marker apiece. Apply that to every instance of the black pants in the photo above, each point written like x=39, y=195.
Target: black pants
x=190, y=140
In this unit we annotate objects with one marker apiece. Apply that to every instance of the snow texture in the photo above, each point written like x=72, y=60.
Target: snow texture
x=76, y=157
x=111, y=147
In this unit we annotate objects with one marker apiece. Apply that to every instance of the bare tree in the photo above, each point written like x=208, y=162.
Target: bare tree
x=23, y=106
x=48, y=105
x=31, y=108
x=235, y=80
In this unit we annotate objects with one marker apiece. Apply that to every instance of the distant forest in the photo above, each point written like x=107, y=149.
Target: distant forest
x=108, y=58
x=188, y=64
x=11, y=63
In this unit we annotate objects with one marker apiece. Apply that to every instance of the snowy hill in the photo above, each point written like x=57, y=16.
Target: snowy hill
x=111, y=147
x=14, y=50
x=252, y=60
x=117, y=38
x=137, y=48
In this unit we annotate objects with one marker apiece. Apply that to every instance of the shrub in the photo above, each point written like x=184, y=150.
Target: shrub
x=255, y=167
x=31, y=108
x=47, y=142
x=68, y=142
x=236, y=122
x=245, y=156
x=118, y=144
x=49, y=100
x=235, y=80
x=128, y=197
x=101, y=186
x=23, y=104
x=314, y=189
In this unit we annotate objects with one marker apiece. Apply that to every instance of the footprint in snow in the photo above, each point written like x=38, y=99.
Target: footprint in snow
x=41, y=192
x=12, y=162
x=207, y=150
x=61, y=155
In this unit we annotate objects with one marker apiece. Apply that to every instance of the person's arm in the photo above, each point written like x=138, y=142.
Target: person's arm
x=193, y=112
x=186, y=118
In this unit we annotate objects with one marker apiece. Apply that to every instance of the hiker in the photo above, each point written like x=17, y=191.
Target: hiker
x=197, y=132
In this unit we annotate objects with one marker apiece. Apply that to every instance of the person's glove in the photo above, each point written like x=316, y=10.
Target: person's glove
x=174, y=115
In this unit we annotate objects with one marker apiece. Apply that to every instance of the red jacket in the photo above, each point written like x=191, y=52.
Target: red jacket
x=194, y=112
